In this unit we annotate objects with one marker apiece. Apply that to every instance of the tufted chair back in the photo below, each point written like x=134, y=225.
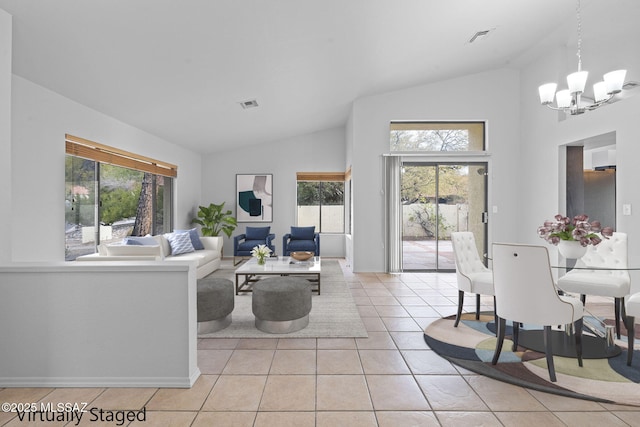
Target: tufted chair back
x=466, y=257
x=610, y=253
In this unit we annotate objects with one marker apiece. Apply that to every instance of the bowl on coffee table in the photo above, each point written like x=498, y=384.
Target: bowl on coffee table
x=301, y=255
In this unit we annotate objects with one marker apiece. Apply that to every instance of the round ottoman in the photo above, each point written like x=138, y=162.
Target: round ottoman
x=215, y=304
x=632, y=312
x=281, y=304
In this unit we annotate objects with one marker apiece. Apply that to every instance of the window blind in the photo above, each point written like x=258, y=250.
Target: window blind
x=87, y=149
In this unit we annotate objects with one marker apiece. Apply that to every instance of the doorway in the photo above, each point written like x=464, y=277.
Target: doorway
x=437, y=199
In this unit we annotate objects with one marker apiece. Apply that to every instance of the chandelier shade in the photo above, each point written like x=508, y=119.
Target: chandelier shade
x=571, y=100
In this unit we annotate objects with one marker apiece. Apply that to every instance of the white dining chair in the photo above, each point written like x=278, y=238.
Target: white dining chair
x=472, y=275
x=608, y=278
x=525, y=293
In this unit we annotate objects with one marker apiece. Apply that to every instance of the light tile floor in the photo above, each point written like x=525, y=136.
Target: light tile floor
x=389, y=379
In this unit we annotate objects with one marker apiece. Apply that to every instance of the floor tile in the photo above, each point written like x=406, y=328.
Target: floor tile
x=336, y=343
x=343, y=393
x=590, y=419
x=407, y=418
x=296, y=344
x=373, y=324
x=346, y=418
x=450, y=393
x=218, y=343
x=249, y=362
x=301, y=362
x=388, y=362
x=468, y=419
x=190, y=399
x=425, y=362
x=285, y=419
x=409, y=340
x=500, y=396
x=124, y=398
x=236, y=393
x=335, y=362
x=213, y=361
x=376, y=340
x=396, y=393
x=401, y=324
x=289, y=393
x=165, y=419
x=226, y=419
x=529, y=419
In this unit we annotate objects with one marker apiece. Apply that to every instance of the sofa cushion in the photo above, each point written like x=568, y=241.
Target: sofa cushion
x=301, y=246
x=201, y=257
x=180, y=243
x=303, y=233
x=257, y=233
x=140, y=241
x=195, y=238
x=133, y=250
x=247, y=245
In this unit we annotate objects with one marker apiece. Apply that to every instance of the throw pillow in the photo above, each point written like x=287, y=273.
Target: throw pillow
x=195, y=239
x=303, y=233
x=257, y=233
x=137, y=240
x=180, y=243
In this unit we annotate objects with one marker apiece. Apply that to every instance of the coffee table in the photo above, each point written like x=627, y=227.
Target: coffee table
x=277, y=266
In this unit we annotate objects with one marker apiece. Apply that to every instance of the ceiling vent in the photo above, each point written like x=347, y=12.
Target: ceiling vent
x=479, y=36
x=252, y=103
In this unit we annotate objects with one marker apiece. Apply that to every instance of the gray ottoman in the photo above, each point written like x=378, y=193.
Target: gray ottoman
x=215, y=304
x=281, y=304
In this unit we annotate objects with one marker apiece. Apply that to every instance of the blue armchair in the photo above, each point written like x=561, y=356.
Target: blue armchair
x=301, y=239
x=252, y=237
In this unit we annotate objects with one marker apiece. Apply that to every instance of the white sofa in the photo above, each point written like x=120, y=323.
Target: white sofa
x=207, y=259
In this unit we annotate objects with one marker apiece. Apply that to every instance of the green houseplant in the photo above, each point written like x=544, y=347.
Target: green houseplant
x=214, y=219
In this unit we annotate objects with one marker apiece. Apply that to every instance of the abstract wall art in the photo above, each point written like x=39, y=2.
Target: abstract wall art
x=255, y=199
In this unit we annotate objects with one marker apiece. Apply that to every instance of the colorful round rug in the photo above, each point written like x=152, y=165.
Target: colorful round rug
x=471, y=346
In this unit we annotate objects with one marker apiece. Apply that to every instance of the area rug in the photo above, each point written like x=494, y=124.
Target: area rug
x=333, y=313
x=471, y=346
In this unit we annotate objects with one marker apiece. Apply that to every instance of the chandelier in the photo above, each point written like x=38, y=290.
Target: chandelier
x=571, y=100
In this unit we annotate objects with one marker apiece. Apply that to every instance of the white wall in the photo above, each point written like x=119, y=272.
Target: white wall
x=318, y=152
x=40, y=119
x=5, y=131
x=490, y=97
x=91, y=325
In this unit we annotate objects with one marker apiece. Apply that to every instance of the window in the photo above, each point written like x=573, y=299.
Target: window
x=437, y=136
x=321, y=201
x=110, y=194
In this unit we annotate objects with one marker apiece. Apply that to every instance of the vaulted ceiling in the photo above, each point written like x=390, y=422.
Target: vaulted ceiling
x=180, y=69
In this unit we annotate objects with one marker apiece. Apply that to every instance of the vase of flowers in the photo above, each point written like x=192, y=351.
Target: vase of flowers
x=573, y=235
x=261, y=252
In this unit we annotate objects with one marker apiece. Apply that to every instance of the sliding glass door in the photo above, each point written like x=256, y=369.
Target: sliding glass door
x=438, y=199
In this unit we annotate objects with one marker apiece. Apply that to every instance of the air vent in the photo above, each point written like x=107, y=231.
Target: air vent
x=479, y=36
x=252, y=103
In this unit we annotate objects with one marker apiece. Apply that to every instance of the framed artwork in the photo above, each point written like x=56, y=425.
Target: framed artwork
x=254, y=200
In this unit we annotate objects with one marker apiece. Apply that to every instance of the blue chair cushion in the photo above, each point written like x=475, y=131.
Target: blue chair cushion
x=303, y=233
x=247, y=245
x=301, y=246
x=257, y=233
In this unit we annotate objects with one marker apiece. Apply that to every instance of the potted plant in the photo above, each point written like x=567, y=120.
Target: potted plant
x=214, y=219
x=572, y=236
